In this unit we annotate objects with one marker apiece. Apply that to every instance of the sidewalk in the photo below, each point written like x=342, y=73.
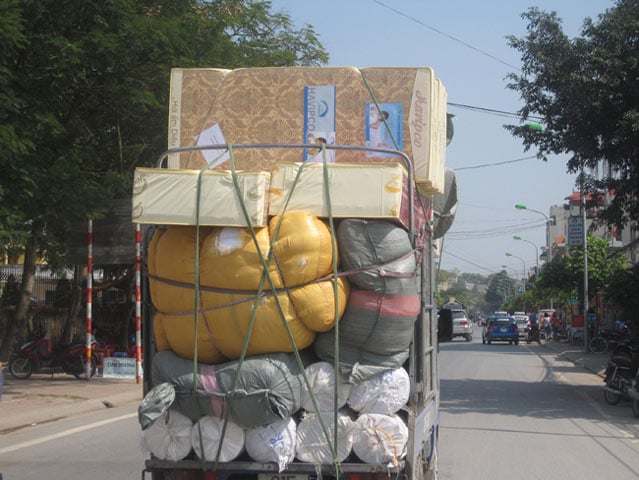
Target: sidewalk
x=43, y=398
x=574, y=353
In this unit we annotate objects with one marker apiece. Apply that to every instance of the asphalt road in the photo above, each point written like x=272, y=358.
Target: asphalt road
x=525, y=412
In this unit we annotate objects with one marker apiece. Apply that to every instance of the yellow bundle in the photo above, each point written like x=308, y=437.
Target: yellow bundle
x=231, y=272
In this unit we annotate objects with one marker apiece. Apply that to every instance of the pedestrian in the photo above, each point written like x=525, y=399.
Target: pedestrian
x=546, y=326
x=554, y=325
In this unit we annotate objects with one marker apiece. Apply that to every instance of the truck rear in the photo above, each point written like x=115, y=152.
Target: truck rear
x=289, y=323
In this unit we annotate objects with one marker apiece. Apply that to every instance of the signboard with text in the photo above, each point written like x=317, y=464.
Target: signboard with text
x=118, y=367
x=575, y=231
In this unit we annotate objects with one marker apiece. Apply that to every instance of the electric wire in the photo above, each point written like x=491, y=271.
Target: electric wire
x=451, y=37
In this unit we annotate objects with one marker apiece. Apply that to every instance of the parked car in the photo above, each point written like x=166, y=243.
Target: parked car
x=501, y=328
x=453, y=323
x=522, y=320
x=462, y=326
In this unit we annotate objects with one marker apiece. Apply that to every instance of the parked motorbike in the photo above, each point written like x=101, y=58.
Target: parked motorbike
x=620, y=378
x=37, y=356
x=607, y=340
x=626, y=348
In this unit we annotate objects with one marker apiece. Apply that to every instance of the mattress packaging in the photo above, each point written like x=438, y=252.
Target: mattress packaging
x=191, y=93
x=386, y=108
x=170, y=197
x=376, y=190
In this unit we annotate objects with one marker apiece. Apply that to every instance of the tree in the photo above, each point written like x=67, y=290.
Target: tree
x=622, y=290
x=501, y=288
x=84, y=89
x=585, y=91
x=565, y=277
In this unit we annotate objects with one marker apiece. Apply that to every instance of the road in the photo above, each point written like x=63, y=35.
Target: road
x=99, y=446
x=522, y=412
x=507, y=412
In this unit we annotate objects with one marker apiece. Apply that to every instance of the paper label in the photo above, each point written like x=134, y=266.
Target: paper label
x=213, y=136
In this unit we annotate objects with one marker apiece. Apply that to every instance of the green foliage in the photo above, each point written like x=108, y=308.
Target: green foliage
x=622, y=290
x=10, y=292
x=84, y=96
x=585, y=89
x=501, y=289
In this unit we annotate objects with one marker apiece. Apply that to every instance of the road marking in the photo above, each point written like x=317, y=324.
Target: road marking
x=66, y=433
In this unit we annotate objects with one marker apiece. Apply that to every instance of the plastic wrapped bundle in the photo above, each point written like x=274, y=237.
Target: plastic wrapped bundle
x=383, y=253
x=268, y=387
x=385, y=393
x=169, y=437
x=312, y=444
x=274, y=442
x=375, y=334
x=207, y=432
x=321, y=377
x=380, y=439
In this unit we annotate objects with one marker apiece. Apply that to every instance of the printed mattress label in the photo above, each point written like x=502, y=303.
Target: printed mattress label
x=319, y=120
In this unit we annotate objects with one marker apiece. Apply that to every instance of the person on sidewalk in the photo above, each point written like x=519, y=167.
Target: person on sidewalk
x=554, y=326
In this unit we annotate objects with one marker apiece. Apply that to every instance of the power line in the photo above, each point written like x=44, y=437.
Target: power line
x=455, y=39
x=492, y=111
x=505, y=162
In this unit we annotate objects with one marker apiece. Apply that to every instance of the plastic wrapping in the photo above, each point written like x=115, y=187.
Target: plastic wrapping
x=274, y=442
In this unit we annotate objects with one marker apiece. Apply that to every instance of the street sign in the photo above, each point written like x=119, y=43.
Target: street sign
x=575, y=231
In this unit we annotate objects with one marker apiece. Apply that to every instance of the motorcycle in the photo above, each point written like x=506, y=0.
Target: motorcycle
x=532, y=334
x=607, y=339
x=37, y=356
x=620, y=378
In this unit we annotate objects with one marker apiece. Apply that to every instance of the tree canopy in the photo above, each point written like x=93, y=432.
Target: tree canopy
x=84, y=98
x=585, y=91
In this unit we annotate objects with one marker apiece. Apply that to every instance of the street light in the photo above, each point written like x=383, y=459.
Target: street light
x=521, y=206
x=517, y=237
x=524, y=263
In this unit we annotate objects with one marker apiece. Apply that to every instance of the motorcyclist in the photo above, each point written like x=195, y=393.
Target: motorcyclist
x=532, y=328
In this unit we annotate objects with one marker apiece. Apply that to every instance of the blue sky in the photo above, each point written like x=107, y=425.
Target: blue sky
x=473, y=65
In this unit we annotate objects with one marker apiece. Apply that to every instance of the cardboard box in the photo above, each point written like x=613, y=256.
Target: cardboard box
x=376, y=191
x=169, y=197
x=297, y=105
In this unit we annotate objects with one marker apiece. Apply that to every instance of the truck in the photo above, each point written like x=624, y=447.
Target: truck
x=156, y=207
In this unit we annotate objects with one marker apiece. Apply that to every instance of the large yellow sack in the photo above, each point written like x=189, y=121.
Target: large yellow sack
x=176, y=332
x=230, y=275
x=171, y=265
x=301, y=252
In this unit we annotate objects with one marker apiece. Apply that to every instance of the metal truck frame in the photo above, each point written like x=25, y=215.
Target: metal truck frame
x=421, y=413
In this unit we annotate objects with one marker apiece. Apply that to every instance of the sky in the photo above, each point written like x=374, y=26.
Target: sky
x=465, y=43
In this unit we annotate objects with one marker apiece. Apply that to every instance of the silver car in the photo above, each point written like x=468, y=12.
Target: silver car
x=522, y=321
x=462, y=325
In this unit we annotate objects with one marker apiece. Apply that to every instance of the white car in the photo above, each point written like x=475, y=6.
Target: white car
x=522, y=320
x=462, y=325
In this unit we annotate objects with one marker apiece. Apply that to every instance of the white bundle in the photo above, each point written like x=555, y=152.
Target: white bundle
x=385, y=393
x=274, y=442
x=312, y=445
x=321, y=377
x=211, y=428
x=380, y=439
x=169, y=437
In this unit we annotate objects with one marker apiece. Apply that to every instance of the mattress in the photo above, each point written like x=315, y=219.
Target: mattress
x=391, y=107
x=190, y=100
x=170, y=197
x=375, y=191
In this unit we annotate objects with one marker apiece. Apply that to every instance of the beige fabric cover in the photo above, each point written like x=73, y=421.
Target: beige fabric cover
x=266, y=105
x=170, y=197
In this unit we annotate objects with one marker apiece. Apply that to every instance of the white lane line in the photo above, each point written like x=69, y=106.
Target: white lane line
x=65, y=433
